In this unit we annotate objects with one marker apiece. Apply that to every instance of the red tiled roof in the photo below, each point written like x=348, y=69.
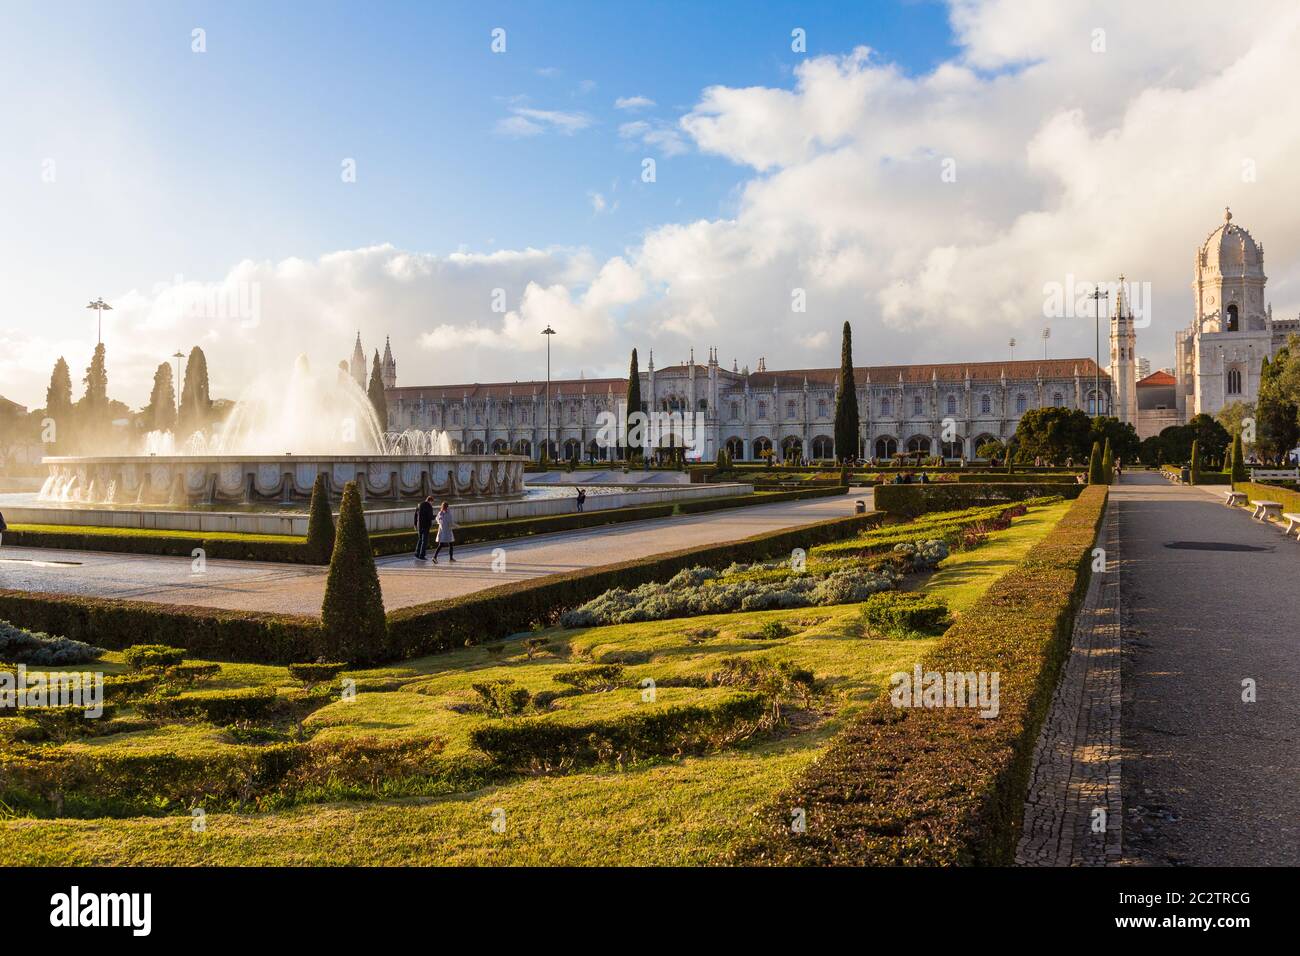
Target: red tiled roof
x=1158, y=378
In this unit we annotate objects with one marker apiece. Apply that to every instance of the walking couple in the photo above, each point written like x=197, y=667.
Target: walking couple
x=425, y=519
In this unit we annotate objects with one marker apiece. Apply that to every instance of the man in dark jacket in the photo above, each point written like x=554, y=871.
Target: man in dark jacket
x=423, y=522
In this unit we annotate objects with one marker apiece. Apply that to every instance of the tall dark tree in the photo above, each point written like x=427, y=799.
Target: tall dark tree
x=196, y=400
x=1278, y=417
x=634, y=407
x=846, y=402
x=160, y=413
x=1096, y=474
x=352, y=613
x=376, y=392
x=1055, y=434
x=92, y=413
x=320, y=522
x=58, y=406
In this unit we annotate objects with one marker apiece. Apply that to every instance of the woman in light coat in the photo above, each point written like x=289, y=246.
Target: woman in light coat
x=445, y=536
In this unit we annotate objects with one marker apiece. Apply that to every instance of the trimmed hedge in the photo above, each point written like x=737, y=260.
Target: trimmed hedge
x=942, y=785
x=528, y=744
x=510, y=608
x=1256, y=491
x=279, y=548
x=909, y=501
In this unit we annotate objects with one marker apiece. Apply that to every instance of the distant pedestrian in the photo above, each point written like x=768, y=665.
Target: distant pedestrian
x=582, y=498
x=423, y=524
x=445, y=525
x=3, y=527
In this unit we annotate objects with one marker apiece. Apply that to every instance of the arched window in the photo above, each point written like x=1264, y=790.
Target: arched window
x=822, y=447
x=735, y=410
x=476, y=447
x=455, y=416
x=919, y=443
x=1234, y=381
x=762, y=447
x=886, y=447
x=952, y=404
x=986, y=405
x=916, y=405
x=885, y=408
x=790, y=409
x=1058, y=400
x=821, y=413
x=1232, y=319
x=1021, y=403
x=735, y=449
x=762, y=409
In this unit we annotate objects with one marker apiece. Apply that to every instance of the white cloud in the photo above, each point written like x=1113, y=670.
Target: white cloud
x=633, y=103
x=657, y=135
x=525, y=121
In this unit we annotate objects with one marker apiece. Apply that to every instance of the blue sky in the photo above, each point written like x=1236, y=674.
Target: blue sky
x=129, y=160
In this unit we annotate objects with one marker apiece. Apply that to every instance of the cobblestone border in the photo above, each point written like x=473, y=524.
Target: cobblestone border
x=1073, y=811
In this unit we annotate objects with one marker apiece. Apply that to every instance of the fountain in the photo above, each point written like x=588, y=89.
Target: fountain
x=281, y=434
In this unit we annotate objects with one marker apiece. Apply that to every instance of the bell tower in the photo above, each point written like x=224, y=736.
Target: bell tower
x=1123, y=358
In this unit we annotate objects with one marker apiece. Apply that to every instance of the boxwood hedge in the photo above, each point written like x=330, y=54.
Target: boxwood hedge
x=911, y=500
x=943, y=785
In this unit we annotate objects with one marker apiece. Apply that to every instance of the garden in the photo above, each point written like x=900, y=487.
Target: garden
x=655, y=724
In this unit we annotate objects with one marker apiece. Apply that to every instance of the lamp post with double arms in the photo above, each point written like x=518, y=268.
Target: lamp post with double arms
x=1096, y=296
x=100, y=306
x=546, y=445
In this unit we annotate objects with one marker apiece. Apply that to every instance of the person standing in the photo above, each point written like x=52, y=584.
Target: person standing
x=445, y=536
x=423, y=524
x=582, y=498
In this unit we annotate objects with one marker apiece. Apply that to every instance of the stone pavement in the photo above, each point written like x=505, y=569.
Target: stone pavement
x=1073, y=810
x=299, y=589
x=1209, y=602
x=1209, y=750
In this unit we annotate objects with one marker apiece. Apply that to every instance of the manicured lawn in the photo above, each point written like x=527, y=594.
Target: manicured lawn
x=687, y=809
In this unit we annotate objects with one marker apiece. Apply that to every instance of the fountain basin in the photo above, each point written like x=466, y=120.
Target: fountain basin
x=249, y=479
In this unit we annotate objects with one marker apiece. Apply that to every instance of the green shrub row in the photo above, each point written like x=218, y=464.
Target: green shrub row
x=943, y=785
x=179, y=545
x=683, y=728
x=509, y=608
x=94, y=782
x=911, y=500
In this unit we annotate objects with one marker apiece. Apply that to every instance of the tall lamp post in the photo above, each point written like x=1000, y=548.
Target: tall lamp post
x=1047, y=334
x=99, y=305
x=546, y=446
x=1097, y=296
x=178, y=356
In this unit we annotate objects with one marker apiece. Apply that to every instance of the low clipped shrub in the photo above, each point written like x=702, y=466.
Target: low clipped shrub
x=122, y=687
x=592, y=677
x=311, y=674
x=912, y=500
x=217, y=707
x=19, y=646
x=67, y=721
x=141, y=657
x=903, y=612
x=187, y=675
x=501, y=697
x=533, y=744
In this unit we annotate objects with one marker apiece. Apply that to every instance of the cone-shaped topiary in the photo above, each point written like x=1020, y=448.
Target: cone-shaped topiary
x=1096, y=475
x=1108, y=464
x=1196, y=462
x=353, y=611
x=320, y=522
x=1238, y=467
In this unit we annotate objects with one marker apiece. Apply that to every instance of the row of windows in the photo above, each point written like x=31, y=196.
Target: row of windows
x=918, y=406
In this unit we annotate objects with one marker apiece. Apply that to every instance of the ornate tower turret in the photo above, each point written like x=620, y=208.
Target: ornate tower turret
x=388, y=366
x=1123, y=358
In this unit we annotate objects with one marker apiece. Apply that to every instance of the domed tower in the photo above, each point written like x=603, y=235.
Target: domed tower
x=1220, y=353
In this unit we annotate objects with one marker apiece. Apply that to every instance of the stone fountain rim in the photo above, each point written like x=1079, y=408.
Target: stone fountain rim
x=256, y=459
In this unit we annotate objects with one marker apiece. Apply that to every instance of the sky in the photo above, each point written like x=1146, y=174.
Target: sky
x=268, y=179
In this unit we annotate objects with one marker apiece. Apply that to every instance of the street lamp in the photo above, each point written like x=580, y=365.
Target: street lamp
x=1011, y=350
x=177, y=386
x=1047, y=334
x=546, y=447
x=99, y=305
x=1097, y=296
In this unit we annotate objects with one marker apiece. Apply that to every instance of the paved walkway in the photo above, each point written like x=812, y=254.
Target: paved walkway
x=1209, y=600
x=1073, y=813
x=1207, y=616
x=299, y=589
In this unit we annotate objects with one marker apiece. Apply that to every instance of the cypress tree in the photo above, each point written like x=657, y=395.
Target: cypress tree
x=634, y=407
x=196, y=400
x=1238, y=467
x=1196, y=462
x=846, y=401
x=352, y=613
x=1096, y=476
x=320, y=523
x=376, y=393
x=1108, y=464
x=58, y=404
x=91, y=412
x=160, y=414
